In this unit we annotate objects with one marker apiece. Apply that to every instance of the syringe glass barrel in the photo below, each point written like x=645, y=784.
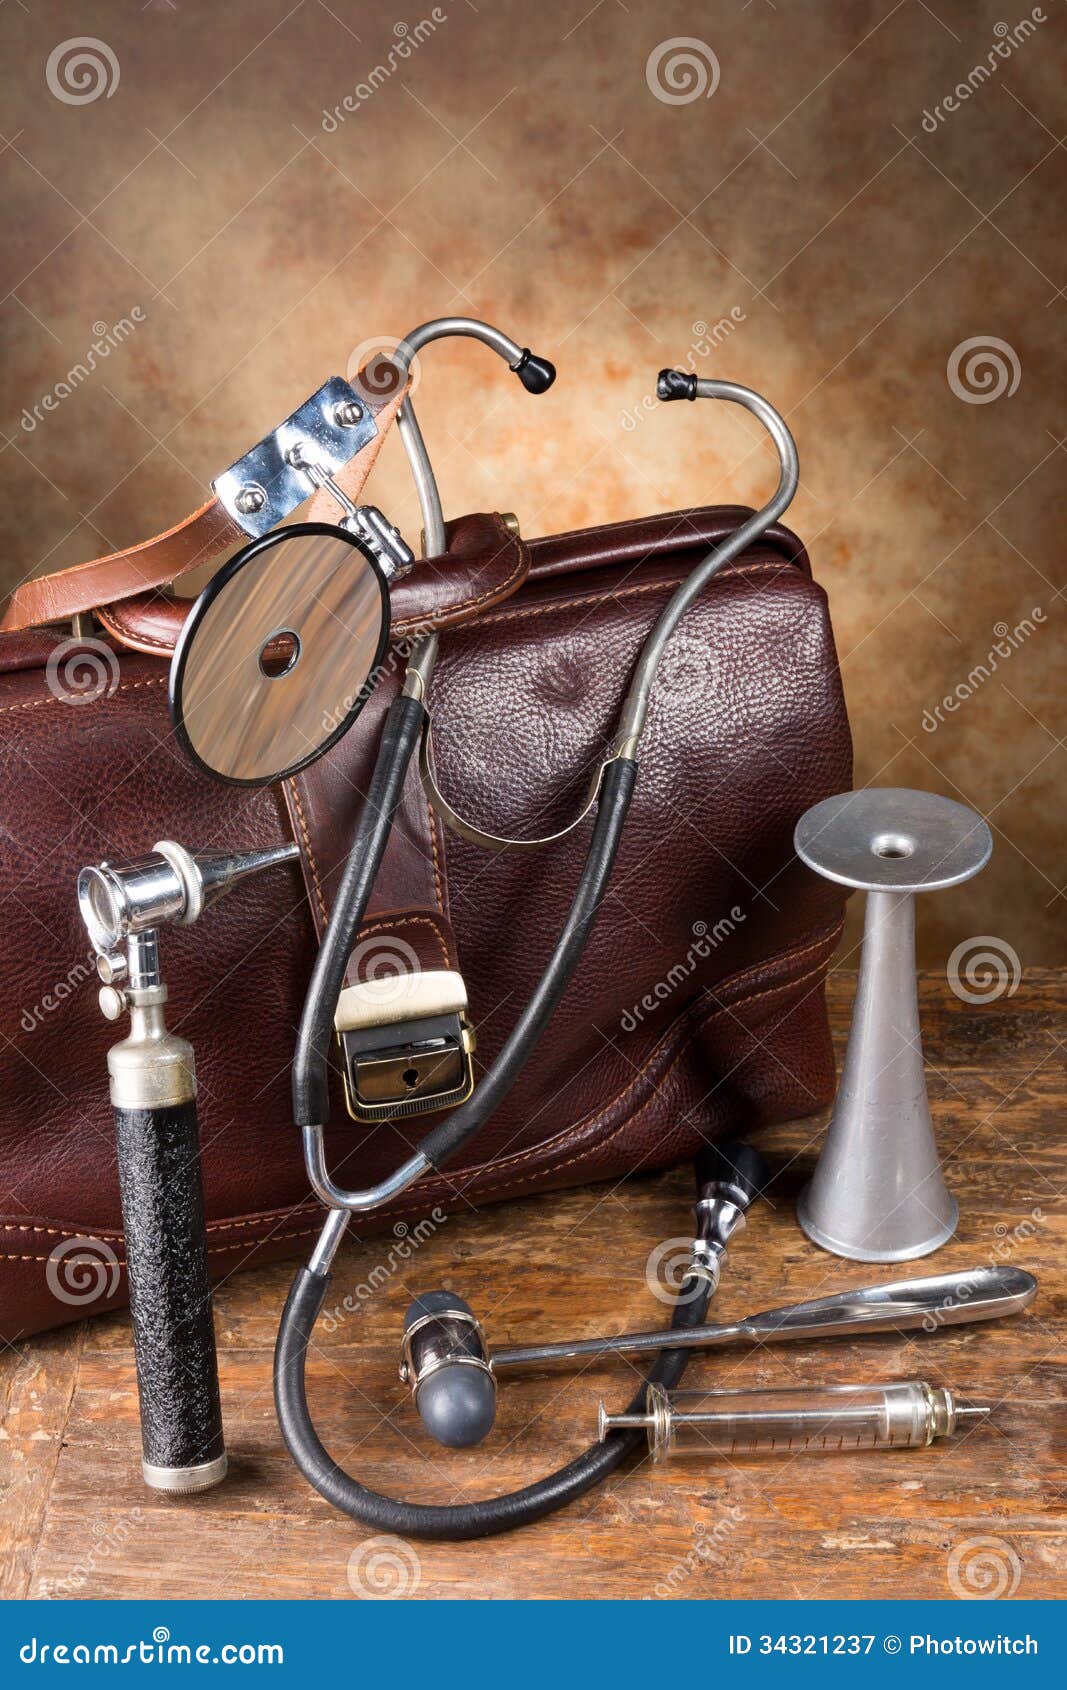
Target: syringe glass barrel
x=830, y=1418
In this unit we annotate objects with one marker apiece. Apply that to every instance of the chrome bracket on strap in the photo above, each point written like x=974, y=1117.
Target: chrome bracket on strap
x=407, y=1044
x=495, y=841
x=261, y=489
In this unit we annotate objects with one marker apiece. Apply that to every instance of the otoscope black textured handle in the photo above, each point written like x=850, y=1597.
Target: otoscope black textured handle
x=170, y=1293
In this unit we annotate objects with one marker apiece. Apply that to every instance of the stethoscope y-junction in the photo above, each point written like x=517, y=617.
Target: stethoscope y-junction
x=276, y=659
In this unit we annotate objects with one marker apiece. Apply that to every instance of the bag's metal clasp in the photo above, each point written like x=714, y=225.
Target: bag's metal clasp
x=407, y=1045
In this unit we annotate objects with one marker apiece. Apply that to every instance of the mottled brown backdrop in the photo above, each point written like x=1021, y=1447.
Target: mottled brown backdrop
x=856, y=208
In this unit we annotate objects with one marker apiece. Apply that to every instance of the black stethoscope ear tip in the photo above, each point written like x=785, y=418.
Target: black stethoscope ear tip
x=675, y=384
x=536, y=374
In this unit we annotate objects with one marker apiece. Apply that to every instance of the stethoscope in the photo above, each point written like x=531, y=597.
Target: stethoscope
x=460, y=1410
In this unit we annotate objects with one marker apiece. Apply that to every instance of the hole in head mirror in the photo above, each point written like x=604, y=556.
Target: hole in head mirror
x=280, y=654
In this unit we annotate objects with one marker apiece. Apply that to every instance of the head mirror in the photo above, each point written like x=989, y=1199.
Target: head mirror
x=279, y=653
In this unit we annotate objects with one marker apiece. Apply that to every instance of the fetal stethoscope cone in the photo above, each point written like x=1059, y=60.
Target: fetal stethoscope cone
x=878, y=1194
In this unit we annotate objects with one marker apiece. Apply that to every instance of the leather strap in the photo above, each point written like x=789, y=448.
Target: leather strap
x=484, y=565
x=407, y=927
x=154, y=563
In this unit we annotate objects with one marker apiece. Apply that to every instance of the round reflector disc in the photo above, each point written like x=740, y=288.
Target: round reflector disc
x=279, y=653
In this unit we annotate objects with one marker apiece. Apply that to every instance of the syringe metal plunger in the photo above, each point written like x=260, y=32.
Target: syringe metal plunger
x=830, y=1419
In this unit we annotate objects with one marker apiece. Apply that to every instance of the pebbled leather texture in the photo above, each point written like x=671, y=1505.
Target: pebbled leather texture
x=173, y=1329
x=684, y=1020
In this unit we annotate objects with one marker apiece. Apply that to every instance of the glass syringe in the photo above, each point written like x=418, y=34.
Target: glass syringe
x=829, y=1418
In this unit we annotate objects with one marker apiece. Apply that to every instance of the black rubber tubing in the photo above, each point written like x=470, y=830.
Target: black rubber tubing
x=453, y=1522
x=310, y=1081
x=310, y=1098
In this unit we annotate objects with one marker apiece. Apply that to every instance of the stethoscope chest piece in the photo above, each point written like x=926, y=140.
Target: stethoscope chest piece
x=446, y=1362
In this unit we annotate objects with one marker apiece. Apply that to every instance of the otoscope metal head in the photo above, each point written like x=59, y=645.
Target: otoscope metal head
x=536, y=374
x=169, y=884
x=446, y=1363
x=675, y=384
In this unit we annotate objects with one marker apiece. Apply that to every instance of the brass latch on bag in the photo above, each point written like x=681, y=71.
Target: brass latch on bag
x=407, y=1045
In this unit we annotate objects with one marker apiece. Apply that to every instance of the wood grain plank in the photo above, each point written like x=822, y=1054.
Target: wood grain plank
x=877, y=1524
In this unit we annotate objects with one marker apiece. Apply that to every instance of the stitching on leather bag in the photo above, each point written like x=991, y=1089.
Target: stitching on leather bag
x=584, y=1126
x=515, y=612
x=213, y=1249
x=392, y=925
x=438, y=889
x=374, y=926
x=127, y=686
x=291, y=783
x=642, y=522
x=123, y=631
x=743, y=1001
x=466, y=605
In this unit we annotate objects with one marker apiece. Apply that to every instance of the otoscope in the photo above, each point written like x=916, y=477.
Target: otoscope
x=153, y=1098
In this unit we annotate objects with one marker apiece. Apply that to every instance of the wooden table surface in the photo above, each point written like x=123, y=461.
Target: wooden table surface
x=986, y=1506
